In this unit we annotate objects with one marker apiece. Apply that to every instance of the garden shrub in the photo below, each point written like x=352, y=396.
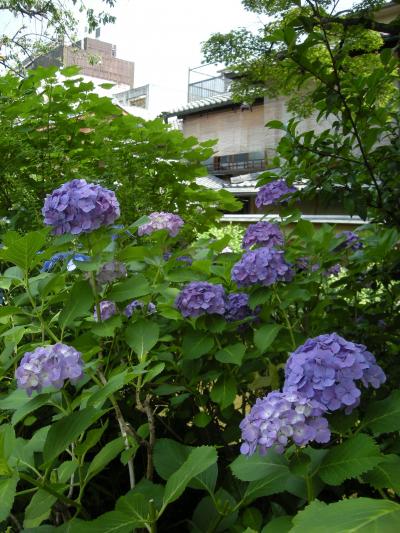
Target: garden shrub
x=137, y=365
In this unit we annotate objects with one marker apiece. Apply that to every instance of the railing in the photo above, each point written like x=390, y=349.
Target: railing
x=236, y=167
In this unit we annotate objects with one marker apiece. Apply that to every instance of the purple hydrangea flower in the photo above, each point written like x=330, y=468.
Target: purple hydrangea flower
x=352, y=240
x=326, y=368
x=264, y=266
x=304, y=263
x=134, y=305
x=110, y=272
x=274, y=192
x=264, y=234
x=49, y=365
x=279, y=418
x=237, y=307
x=107, y=310
x=334, y=270
x=160, y=220
x=80, y=207
x=199, y=297
x=59, y=257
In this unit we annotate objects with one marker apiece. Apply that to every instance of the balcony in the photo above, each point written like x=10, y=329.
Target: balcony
x=220, y=167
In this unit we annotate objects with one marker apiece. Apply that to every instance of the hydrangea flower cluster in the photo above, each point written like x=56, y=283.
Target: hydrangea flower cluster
x=326, y=369
x=49, y=365
x=334, y=270
x=160, y=220
x=264, y=234
x=59, y=257
x=264, y=266
x=280, y=417
x=107, y=310
x=352, y=240
x=110, y=272
x=274, y=192
x=135, y=305
x=80, y=207
x=304, y=263
x=199, y=297
x=237, y=307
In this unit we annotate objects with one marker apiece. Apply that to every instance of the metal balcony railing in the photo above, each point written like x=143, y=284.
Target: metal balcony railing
x=236, y=167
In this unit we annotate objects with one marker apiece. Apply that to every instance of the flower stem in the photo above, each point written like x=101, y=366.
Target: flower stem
x=310, y=489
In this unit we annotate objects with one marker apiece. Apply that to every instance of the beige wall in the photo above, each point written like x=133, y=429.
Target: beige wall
x=237, y=131
x=244, y=131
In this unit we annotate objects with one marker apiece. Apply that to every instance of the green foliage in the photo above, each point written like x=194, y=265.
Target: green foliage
x=53, y=130
x=341, y=68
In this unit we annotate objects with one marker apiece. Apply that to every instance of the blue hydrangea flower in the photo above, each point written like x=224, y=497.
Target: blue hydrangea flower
x=107, y=310
x=199, y=297
x=161, y=220
x=135, y=305
x=59, y=257
x=237, y=307
x=334, y=270
x=352, y=240
x=281, y=418
x=80, y=207
x=49, y=365
x=264, y=234
x=273, y=193
x=327, y=368
x=263, y=266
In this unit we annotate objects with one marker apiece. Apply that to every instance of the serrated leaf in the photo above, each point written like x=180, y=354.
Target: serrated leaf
x=8, y=487
x=80, y=302
x=130, y=288
x=385, y=475
x=384, y=416
x=265, y=336
x=356, y=515
x=68, y=429
x=195, y=344
x=114, y=384
x=22, y=252
x=258, y=466
x=232, y=354
x=350, y=459
x=199, y=460
x=39, y=508
x=224, y=391
x=142, y=336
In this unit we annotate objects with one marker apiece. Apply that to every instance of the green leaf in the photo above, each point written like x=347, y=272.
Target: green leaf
x=130, y=288
x=114, y=384
x=384, y=416
x=39, y=508
x=105, y=456
x=7, y=311
x=169, y=455
x=68, y=429
x=257, y=467
x=224, y=391
x=22, y=252
x=386, y=475
x=195, y=344
x=197, y=462
x=231, y=354
x=107, y=328
x=8, y=487
x=281, y=524
x=142, y=336
x=265, y=336
x=356, y=515
x=80, y=302
x=350, y=459
x=29, y=407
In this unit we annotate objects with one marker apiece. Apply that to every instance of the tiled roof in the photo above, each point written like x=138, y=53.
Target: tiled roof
x=211, y=182
x=199, y=105
x=316, y=219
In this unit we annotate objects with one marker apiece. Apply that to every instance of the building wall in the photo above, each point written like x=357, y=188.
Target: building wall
x=96, y=59
x=244, y=131
x=237, y=131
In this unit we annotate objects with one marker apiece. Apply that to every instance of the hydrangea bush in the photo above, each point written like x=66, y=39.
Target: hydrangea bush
x=132, y=381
